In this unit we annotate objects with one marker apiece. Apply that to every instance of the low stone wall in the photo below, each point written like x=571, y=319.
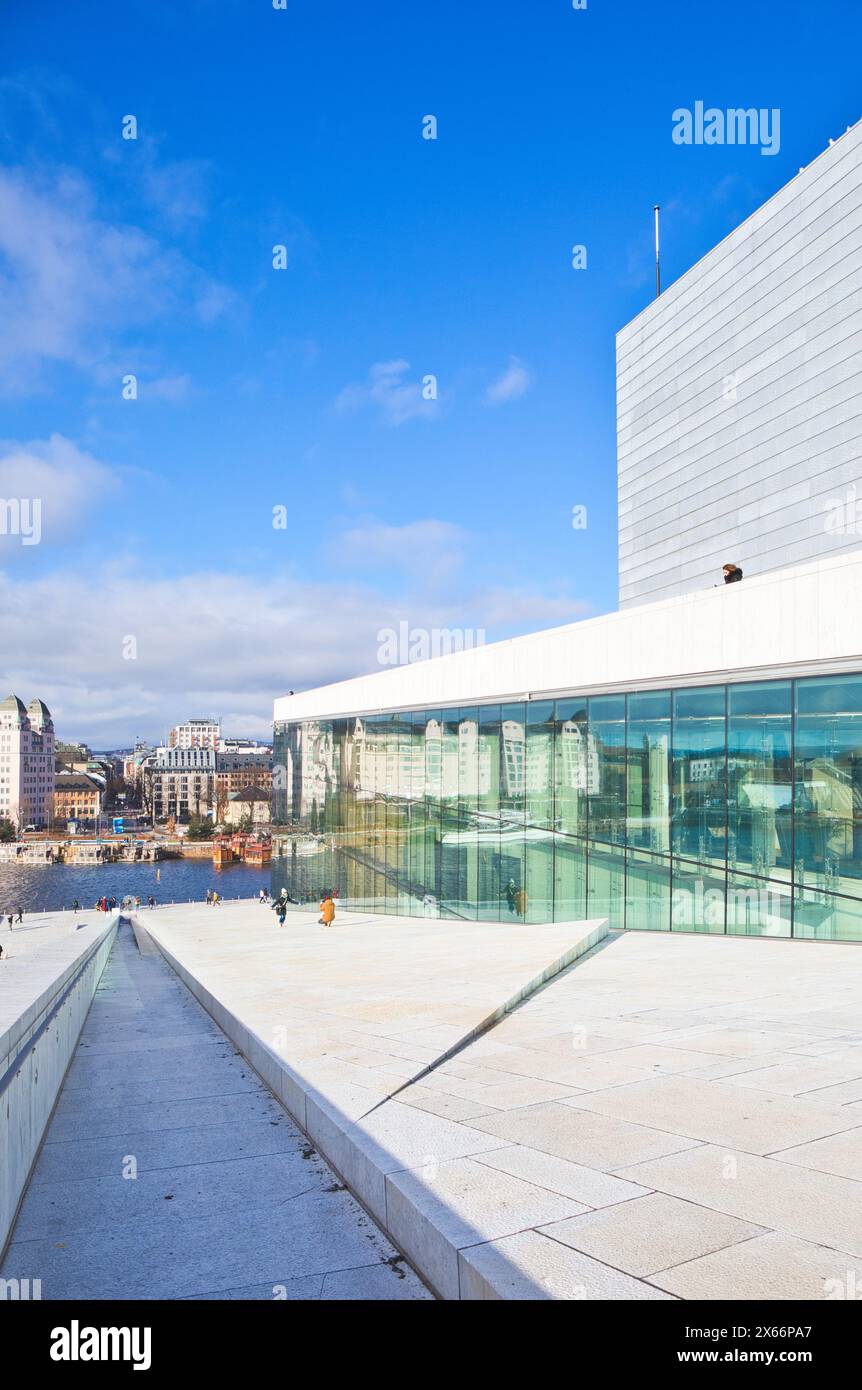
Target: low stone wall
x=45, y=999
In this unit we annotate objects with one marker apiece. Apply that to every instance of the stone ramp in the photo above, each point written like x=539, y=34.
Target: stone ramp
x=348, y=1027
x=169, y=1171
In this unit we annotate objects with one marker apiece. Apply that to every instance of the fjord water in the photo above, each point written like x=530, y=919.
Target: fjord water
x=49, y=887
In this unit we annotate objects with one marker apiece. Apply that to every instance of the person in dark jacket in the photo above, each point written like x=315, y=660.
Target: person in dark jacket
x=732, y=574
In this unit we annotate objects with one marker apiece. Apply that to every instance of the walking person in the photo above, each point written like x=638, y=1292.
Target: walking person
x=76, y=906
x=327, y=911
x=209, y=896
x=20, y=917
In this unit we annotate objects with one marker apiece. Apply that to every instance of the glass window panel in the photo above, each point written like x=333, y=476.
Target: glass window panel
x=404, y=785
x=378, y=737
x=539, y=839
x=336, y=811
x=697, y=898
x=280, y=744
x=449, y=820
x=576, y=771
x=648, y=897
x=468, y=806
x=757, y=906
x=698, y=794
x=512, y=807
x=539, y=875
x=433, y=803
x=759, y=776
x=606, y=878
x=570, y=879
x=607, y=796
x=490, y=888
x=828, y=801
x=819, y=916
x=392, y=815
x=416, y=815
x=648, y=770
x=354, y=836
x=540, y=764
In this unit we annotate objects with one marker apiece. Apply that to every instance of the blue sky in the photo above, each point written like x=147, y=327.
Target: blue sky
x=301, y=388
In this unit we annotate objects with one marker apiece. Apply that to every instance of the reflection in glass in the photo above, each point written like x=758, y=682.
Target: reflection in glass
x=648, y=771
x=760, y=778
x=828, y=806
x=607, y=795
x=488, y=815
x=698, y=799
x=698, y=897
x=715, y=809
x=822, y=916
x=648, y=895
x=606, y=883
x=513, y=761
x=576, y=770
x=570, y=879
x=758, y=907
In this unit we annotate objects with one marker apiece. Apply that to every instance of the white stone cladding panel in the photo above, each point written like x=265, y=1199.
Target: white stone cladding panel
x=778, y=305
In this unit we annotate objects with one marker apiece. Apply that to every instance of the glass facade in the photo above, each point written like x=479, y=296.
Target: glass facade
x=730, y=809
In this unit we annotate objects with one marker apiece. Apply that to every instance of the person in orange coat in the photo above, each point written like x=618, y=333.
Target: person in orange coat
x=327, y=912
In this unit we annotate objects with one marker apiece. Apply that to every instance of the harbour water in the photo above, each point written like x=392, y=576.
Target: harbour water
x=49, y=887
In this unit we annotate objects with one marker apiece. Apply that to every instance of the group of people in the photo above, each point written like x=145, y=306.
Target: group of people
x=516, y=898
x=11, y=917
x=279, y=906
x=108, y=904
x=213, y=898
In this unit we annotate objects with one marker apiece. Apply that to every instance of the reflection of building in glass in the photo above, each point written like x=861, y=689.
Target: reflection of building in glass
x=706, y=769
x=513, y=758
x=409, y=817
x=578, y=758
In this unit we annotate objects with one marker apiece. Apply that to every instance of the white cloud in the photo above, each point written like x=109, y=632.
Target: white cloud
x=431, y=550
x=511, y=384
x=65, y=481
x=209, y=641
x=398, y=400
x=72, y=287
